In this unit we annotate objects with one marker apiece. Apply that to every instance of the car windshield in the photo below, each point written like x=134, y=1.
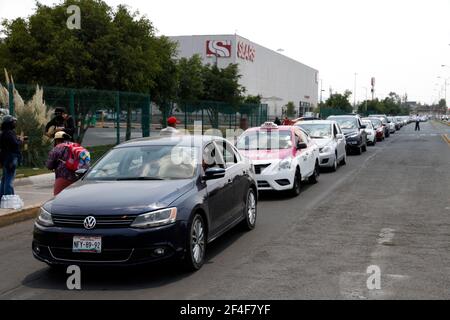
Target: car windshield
x=346, y=123
x=265, y=140
x=368, y=124
x=317, y=130
x=376, y=123
x=146, y=163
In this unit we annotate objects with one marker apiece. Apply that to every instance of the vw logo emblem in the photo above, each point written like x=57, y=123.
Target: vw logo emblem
x=89, y=223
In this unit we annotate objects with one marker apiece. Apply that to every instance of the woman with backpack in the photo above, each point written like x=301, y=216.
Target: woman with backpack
x=10, y=155
x=65, y=159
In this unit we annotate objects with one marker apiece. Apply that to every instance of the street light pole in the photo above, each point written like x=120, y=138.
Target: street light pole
x=354, y=94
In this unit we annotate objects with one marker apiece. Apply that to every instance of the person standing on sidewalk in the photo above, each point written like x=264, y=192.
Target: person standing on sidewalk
x=64, y=177
x=417, y=128
x=10, y=155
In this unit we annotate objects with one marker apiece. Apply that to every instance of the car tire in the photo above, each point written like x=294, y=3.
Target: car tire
x=195, y=244
x=314, y=178
x=295, y=191
x=335, y=164
x=250, y=211
x=344, y=160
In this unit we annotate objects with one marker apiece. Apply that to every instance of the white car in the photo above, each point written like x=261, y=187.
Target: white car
x=331, y=141
x=371, y=132
x=283, y=156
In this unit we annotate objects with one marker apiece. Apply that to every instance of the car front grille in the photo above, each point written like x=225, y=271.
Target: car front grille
x=103, y=222
x=263, y=184
x=260, y=167
x=64, y=254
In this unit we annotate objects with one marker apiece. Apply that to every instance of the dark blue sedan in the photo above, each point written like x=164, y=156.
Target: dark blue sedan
x=147, y=200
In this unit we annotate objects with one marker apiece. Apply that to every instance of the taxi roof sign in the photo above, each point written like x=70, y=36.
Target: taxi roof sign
x=269, y=125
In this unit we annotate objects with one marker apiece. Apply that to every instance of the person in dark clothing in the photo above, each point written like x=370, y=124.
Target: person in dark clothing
x=10, y=155
x=417, y=123
x=61, y=122
x=277, y=121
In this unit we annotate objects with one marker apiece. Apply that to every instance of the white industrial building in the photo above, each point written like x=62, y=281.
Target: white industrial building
x=277, y=78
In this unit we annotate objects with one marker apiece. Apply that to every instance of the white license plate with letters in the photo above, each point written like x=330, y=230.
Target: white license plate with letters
x=87, y=244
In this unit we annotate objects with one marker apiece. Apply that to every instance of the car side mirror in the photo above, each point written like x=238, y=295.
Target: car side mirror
x=214, y=173
x=301, y=145
x=80, y=172
x=339, y=136
x=363, y=126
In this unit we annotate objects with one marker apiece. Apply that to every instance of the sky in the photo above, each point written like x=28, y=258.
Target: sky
x=402, y=43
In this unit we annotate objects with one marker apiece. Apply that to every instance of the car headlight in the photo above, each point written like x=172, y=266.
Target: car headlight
x=285, y=164
x=326, y=149
x=155, y=218
x=45, y=218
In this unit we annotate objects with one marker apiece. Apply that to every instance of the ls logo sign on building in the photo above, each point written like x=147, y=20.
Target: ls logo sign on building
x=218, y=48
x=246, y=51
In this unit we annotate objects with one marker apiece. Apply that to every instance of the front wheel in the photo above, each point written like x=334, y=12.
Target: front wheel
x=344, y=160
x=196, y=244
x=250, y=211
x=295, y=191
x=315, y=176
x=335, y=164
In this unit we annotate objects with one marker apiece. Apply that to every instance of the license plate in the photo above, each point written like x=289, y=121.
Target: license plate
x=87, y=244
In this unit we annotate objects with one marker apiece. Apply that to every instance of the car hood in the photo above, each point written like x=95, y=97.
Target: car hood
x=118, y=197
x=266, y=154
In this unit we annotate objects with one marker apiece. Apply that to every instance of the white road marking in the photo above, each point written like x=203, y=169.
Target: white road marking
x=353, y=285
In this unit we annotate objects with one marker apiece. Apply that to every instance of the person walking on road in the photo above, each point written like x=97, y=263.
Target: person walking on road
x=171, y=127
x=61, y=122
x=10, y=155
x=417, y=128
x=57, y=158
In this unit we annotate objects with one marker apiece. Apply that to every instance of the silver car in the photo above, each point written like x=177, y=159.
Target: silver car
x=331, y=141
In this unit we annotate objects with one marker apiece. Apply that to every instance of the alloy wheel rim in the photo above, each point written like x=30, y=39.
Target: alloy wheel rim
x=198, y=241
x=251, y=211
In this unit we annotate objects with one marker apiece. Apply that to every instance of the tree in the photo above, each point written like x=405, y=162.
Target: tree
x=339, y=101
x=190, y=79
x=221, y=85
x=290, y=109
x=253, y=99
x=113, y=50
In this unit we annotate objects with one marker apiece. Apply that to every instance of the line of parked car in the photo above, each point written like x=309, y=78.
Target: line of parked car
x=167, y=197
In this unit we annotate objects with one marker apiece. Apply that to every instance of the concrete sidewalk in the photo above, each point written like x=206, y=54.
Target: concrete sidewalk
x=34, y=191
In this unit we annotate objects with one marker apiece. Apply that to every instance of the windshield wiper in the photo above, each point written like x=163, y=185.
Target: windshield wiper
x=139, y=179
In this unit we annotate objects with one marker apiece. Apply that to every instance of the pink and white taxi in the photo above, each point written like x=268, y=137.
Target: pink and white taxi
x=283, y=156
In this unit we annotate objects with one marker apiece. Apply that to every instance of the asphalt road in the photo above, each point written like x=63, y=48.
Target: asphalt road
x=389, y=207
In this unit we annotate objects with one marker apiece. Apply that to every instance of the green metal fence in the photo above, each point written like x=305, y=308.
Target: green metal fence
x=127, y=115
x=326, y=112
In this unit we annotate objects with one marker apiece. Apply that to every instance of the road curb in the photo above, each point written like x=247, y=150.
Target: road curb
x=21, y=215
